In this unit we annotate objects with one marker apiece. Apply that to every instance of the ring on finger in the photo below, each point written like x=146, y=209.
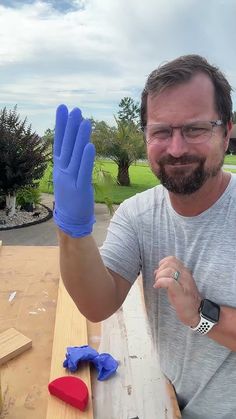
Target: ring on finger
x=176, y=275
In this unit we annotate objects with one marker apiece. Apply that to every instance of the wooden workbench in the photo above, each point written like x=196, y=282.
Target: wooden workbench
x=137, y=390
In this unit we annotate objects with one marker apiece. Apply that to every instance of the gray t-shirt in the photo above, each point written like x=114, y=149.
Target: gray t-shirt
x=144, y=230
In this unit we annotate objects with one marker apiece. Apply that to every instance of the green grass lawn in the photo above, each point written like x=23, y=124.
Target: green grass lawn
x=45, y=185
x=141, y=179
x=230, y=159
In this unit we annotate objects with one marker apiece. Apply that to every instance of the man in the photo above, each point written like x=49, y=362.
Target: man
x=180, y=235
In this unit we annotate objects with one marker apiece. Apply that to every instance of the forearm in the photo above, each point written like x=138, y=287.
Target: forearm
x=225, y=331
x=86, y=278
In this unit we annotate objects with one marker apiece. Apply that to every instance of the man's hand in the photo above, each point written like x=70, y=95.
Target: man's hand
x=72, y=173
x=183, y=294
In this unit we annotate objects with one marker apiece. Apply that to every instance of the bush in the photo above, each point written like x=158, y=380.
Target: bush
x=28, y=197
x=23, y=154
x=2, y=202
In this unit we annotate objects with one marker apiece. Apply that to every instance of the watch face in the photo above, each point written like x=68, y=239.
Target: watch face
x=210, y=310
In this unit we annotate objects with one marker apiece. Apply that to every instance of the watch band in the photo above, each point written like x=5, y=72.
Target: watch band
x=204, y=326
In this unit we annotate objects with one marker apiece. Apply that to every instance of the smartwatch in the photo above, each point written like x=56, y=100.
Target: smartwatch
x=209, y=316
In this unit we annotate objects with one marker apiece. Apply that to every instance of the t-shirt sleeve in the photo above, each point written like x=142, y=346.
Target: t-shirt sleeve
x=120, y=251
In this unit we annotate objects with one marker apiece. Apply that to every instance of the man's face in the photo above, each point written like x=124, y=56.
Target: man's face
x=181, y=167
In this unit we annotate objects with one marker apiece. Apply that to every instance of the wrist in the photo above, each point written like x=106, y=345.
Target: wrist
x=71, y=228
x=209, y=316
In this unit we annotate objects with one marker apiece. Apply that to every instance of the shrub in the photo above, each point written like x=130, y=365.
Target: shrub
x=28, y=196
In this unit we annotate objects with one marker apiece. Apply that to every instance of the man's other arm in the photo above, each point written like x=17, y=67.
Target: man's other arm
x=225, y=331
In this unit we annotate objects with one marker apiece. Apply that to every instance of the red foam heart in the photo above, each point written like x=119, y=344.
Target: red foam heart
x=71, y=390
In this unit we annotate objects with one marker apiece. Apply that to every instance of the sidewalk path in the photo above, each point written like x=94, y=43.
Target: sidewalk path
x=229, y=166
x=45, y=234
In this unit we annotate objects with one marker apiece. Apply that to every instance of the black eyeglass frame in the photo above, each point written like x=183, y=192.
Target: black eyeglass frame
x=214, y=124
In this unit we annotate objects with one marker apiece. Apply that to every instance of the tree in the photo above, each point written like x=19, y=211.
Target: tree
x=126, y=148
x=23, y=156
x=129, y=140
x=101, y=137
x=129, y=111
x=123, y=144
x=48, y=136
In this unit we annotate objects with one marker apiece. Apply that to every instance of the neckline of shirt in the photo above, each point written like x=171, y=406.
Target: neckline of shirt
x=205, y=213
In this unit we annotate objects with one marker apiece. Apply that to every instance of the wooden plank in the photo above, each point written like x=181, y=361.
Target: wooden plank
x=70, y=330
x=12, y=343
x=1, y=403
x=171, y=401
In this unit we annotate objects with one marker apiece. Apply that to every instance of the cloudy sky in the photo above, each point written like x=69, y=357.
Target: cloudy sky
x=92, y=53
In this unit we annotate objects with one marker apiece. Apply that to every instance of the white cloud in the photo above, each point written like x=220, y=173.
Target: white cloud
x=94, y=55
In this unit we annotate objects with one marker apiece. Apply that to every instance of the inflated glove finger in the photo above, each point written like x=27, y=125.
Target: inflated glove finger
x=60, y=127
x=72, y=127
x=86, y=167
x=82, y=139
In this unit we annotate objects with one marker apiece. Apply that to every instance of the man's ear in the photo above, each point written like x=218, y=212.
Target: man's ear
x=228, y=130
x=229, y=127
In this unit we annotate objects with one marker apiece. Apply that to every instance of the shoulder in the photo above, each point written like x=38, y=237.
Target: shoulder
x=231, y=188
x=233, y=181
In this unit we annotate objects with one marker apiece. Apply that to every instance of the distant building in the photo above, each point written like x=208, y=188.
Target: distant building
x=232, y=141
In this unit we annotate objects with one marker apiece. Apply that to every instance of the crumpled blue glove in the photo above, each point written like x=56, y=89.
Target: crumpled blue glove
x=73, y=157
x=105, y=364
x=75, y=354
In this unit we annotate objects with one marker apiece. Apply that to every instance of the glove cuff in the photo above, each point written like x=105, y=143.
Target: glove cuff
x=74, y=230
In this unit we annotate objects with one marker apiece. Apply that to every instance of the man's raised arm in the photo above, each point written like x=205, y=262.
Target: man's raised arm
x=97, y=292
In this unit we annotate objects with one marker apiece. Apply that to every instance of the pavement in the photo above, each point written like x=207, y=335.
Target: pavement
x=45, y=234
x=229, y=166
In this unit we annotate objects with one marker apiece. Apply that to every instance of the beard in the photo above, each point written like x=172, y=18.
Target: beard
x=183, y=183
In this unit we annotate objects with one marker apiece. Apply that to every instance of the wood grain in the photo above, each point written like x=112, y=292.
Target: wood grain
x=70, y=330
x=0, y=394
x=12, y=343
x=33, y=273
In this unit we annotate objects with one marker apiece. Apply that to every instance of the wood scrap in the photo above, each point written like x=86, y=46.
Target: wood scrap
x=12, y=343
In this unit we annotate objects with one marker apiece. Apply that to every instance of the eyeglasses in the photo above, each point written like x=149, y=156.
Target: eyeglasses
x=194, y=133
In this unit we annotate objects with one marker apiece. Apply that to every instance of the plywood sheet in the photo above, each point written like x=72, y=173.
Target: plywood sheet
x=32, y=273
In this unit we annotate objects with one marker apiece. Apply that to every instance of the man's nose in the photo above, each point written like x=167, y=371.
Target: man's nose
x=177, y=144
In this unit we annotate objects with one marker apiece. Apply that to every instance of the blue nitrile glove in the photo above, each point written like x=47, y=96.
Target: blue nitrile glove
x=75, y=354
x=106, y=365
x=72, y=173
